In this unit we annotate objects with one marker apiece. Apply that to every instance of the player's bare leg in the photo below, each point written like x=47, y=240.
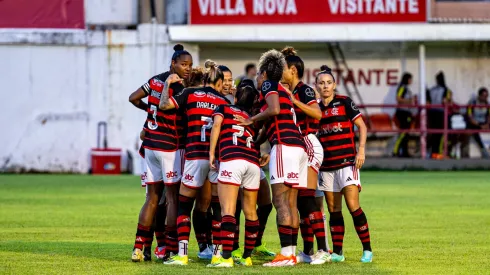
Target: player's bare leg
x=201, y=220
x=145, y=220
x=264, y=208
x=351, y=195
x=337, y=227
x=172, y=196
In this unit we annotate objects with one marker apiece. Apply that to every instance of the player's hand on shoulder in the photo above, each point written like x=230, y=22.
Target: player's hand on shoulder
x=173, y=78
x=243, y=121
x=264, y=160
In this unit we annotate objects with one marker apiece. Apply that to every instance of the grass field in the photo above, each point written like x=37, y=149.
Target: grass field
x=421, y=223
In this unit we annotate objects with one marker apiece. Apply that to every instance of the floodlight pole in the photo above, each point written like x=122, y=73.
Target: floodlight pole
x=422, y=102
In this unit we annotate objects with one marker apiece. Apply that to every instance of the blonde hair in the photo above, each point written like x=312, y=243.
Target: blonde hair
x=212, y=73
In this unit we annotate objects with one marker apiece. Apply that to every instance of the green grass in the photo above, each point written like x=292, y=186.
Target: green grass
x=421, y=223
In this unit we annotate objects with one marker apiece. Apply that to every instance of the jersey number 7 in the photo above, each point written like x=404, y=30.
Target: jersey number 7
x=240, y=133
x=208, y=125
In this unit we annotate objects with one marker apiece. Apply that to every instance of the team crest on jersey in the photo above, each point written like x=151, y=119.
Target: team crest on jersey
x=199, y=94
x=335, y=111
x=326, y=112
x=354, y=107
x=309, y=92
x=266, y=86
x=236, y=110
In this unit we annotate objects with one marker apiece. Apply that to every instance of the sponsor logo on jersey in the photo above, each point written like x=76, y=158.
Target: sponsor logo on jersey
x=156, y=94
x=189, y=177
x=225, y=173
x=235, y=110
x=336, y=103
x=156, y=84
x=199, y=94
x=309, y=92
x=211, y=95
x=331, y=129
x=171, y=174
x=266, y=86
x=354, y=107
x=293, y=175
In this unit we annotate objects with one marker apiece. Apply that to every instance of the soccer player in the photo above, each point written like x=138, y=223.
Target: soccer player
x=162, y=143
x=198, y=104
x=288, y=158
x=308, y=114
x=238, y=168
x=339, y=173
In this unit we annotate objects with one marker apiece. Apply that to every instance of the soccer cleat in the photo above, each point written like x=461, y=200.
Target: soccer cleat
x=303, y=258
x=215, y=259
x=137, y=255
x=236, y=255
x=221, y=262
x=177, y=260
x=367, y=256
x=336, y=258
x=281, y=260
x=262, y=250
x=160, y=252
x=147, y=254
x=206, y=254
x=321, y=257
x=245, y=262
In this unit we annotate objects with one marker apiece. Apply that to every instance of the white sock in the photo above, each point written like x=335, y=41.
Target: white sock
x=183, y=248
x=217, y=250
x=287, y=251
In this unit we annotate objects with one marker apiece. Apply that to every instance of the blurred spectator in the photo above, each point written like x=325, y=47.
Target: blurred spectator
x=403, y=115
x=478, y=118
x=250, y=73
x=440, y=94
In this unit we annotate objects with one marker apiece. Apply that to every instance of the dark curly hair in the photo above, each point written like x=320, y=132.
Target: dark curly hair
x=272, y=63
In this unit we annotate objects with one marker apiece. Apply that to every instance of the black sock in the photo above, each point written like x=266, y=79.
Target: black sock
x=183, y=218
x=362, y=228
x=216, y=220
x=263, y=212
x=227, y=230
x=337, y=230
x=199, y=220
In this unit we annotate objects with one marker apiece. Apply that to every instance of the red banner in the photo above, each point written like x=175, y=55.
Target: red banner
x=306, y=11
x=64, y=14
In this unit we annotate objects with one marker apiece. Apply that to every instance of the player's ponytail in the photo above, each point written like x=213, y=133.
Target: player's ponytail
x=272, y=63
x=293, y=60
x=246, y=96
x=212, y=73
x=324, y=69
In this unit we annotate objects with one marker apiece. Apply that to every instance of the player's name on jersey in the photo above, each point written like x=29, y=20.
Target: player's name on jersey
x=206, y=105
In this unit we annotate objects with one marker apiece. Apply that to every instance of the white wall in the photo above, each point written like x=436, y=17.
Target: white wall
x=56, y=90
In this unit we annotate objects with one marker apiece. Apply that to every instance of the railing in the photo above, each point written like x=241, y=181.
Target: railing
x=423, y=130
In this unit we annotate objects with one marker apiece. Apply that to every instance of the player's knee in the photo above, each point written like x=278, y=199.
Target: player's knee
x=250, y=212
x=352, y=205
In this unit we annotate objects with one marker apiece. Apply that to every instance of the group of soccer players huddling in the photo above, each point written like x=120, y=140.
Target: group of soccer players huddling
x=202, y=159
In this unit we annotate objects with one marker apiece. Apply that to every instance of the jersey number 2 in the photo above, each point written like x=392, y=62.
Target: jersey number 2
x=208, y=125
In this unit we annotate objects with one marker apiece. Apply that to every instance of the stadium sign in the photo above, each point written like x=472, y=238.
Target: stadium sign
x=301, y=11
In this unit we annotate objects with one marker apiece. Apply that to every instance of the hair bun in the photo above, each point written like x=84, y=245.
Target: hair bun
x=178, y=48
x=288, y=51
x=209, y=64
x=325, y=68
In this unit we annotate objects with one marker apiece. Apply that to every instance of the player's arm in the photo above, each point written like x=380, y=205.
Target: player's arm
x=308, y=104
x=215, y=131
x=273, y=109
x=167, y=102
x=361, y=155
x=136, y=99
x=261, y=137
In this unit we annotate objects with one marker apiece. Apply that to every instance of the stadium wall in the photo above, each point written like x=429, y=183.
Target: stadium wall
x=60, y=84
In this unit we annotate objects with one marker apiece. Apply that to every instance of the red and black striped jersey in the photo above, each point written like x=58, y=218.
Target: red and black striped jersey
x=198, y=104
x=235, y=142
x=305, y=94
x=337, y=134
x=162, y=129
x=281, y=129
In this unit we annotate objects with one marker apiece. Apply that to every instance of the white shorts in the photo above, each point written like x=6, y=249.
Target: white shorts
x=288, y=165
x=262, y=174
x=240, y=173
x=163, y=167
x=335, y=181
x=195, y=173
x=314, y=150
x=143, y=171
